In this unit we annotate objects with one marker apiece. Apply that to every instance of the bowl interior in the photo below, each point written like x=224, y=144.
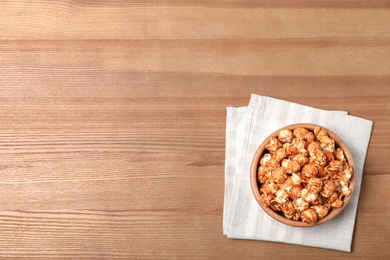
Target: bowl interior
x=255, y=185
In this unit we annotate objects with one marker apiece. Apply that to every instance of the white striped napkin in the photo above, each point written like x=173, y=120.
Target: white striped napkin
x=246, y=128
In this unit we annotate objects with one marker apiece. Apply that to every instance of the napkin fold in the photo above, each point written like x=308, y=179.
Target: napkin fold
x=246, y=128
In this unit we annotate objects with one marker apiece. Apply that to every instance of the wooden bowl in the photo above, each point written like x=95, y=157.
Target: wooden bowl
x=255, y=184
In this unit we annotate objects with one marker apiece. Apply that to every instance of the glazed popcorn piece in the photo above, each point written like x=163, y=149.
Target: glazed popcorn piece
x=327, y=188
x=295, y=216
x=339, y=154
x=309, y=216
x=314, y=185
x=285, y=136
x=309, y=137
x=290, y=149
x=300, y=145
x=281, y=196
x=308, y=196
x=264, y=173
x=266, y=157
x=293, y=167
x=279, y=175
x=304, y=175
x=267, y=199
x=310, y=170
x=300, y=132
x=301, y=159
x=269, y=187
x=300, y=204
x=273, y=145
x=287, y=208
x=296, y=178
x=321, y=210
x=280, y=154
x=295, y=192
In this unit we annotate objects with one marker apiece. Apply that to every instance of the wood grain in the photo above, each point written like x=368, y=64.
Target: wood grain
x=191, y=20
x=112, y=115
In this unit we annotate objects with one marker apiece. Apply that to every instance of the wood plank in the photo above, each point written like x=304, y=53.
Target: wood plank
x=191, y=20
x=351, y=56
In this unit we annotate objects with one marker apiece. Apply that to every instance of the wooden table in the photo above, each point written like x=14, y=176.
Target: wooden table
x=112, y=137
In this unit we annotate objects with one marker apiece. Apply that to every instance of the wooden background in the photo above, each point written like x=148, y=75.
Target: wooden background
x=112, y=118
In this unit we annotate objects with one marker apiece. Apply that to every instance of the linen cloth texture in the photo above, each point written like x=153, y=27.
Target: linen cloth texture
x=246, y=128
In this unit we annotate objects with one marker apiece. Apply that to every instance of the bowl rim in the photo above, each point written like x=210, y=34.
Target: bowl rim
x=255, y=185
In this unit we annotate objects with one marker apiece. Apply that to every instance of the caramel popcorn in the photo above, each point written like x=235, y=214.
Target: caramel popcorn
x=327, y=188
x=287, y=207
x=303, y=174
x=266, y=157
x=281, y=196
x=295, y=192
x=339, y=154
x=273, y=145
x=300, y=132
x=296, y=179
x=314, y=185
x=293, y=166
x=321, y=211
x=269, y=187
x=294, y=216
x=285, y=136
x=310, y=170
x=309, y=216
x=301, y=159
x=280, y=154
x=290, y=149
x=279, y=175
x=300, y=204
x=309, y=137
